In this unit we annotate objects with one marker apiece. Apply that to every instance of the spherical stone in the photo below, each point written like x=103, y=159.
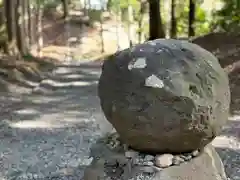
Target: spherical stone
x=165, y=96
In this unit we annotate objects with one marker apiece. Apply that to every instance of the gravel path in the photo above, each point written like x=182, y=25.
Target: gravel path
x=47, y=134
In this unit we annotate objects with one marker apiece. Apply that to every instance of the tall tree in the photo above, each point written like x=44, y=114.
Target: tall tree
x=65, y=8
x=39, y=27
x=26, y=22
x=142, y=11
x=129, y=24
x=20, y=24
x=3, y=31
x=173, y=32
x=9, y=7
x=155, y=20
x=191, y=18
x=30, y=23
x=109, y=5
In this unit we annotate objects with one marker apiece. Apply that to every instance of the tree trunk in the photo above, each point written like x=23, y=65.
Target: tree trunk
x=30, y=24
x=26, y=22
x=118, y=26
x=155, y=21
x=140, y=20
x=65, y=8
x=109, y=3
x=173, y=33
x=130, y=26
x=101, y=29
x=191, y=18
x=3, y=31
x=20, y=27
x=39, y=27
x=9, y=6
x=85, y=8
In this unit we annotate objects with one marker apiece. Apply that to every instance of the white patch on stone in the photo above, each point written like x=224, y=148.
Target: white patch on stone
x=140, y=63
x=154, y=81
x=160, y=51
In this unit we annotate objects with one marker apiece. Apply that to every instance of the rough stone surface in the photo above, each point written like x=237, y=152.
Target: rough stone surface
x=110, y=164
x=165, y=96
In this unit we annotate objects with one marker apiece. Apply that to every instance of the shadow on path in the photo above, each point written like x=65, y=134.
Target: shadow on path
x=231, y=161
x=48, y=133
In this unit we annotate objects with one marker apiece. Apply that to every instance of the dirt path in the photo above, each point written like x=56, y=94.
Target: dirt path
x=47, y=134
x=78, y=40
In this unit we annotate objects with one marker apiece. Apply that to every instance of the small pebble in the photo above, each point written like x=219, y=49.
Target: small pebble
x=113, y=144
x=137, y=161
x=146, y=169
x=148, y=163
x=164, y=160
x=195, y=153
x=186, y=157
x=131, y=154
x=148, y=158
x=177, y=160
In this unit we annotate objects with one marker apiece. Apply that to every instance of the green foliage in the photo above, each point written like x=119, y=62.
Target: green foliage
x=202, y=24
x=182, y=19
x=228, y=17
x=122, y=5
x=46, y=3
x=115, y=4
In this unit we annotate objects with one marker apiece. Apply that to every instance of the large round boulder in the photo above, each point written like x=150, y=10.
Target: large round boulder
x=165, y=96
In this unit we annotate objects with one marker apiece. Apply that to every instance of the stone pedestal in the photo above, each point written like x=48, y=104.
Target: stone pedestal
x=115, y=162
